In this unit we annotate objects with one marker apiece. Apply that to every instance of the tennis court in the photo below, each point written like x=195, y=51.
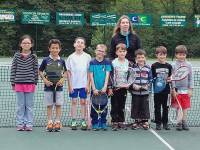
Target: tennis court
x=67, y=139
x=10, y=139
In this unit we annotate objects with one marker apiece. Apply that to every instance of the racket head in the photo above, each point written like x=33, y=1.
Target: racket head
x=159, y=84
x=180, y=73
x=100, y=99
x=131, y=76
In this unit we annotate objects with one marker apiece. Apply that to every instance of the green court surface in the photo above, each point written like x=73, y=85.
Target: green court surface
x=39, y=139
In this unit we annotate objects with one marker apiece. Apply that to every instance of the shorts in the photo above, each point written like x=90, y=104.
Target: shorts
x=183, y=99
x=78, y=93
x=48, y=98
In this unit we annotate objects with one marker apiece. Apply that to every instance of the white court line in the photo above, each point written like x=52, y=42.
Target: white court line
x=161, y=139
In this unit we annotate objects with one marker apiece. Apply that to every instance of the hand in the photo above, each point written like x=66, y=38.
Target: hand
x=145, y=87
x=103, y=90
x=110, y=92
x=60, y=82
x=71, y=90
x=47, y=82
x=169, y=79
x=136, y=87
x=13, y=87
x=87, y=89
x=190, y=92
x=96, y=92
x=174, y=93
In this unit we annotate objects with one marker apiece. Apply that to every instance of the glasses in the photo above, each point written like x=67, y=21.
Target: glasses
x=26, y=43
x=101, y=51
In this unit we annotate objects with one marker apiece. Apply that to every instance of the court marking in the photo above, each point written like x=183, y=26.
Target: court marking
x=161, y=139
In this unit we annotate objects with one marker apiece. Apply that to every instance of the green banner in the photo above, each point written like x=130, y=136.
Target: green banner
x=33, y=17
x=197, y=20
x=140, y=19
x=7, y=15
x=103, y=19
x=173, y=20
x=71, y=19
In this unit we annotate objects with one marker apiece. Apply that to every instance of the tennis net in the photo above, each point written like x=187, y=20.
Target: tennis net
x=8, y=103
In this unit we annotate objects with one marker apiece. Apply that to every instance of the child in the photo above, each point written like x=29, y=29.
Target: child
x=53, y=71
x=182, y=90
x=24, y=78
x=78, y=80
x=161, y=69
x=99, y=74
x=118, y=91
x=140, y=91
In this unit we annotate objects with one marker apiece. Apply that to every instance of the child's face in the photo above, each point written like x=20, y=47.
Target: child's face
x=54, y=50
x=26, y=44
x=181, y=56
x=140, y=59
x=121, y=53
x=161, y=57
x=100, y=52
x=79, y=44
x=124, y=25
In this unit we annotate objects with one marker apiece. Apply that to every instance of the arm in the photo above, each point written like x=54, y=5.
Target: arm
x=69, y=81
x=103, y=90
x=46, y=81
x=36, y=71
x=190, y=81
x=13, y=72
x=112, y=49
x=95, y=91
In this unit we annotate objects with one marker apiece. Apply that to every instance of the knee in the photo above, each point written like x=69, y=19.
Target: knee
x=74, y=102
x=83, y=102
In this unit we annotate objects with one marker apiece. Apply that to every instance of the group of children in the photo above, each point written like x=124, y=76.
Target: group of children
x=87, y=77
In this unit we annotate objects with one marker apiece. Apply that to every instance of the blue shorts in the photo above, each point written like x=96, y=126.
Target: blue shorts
x=79, y=93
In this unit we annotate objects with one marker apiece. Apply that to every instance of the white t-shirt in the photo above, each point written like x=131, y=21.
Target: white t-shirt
x=120, y=72
x=78, y=65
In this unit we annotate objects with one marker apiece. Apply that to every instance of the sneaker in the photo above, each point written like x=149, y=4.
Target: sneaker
x=49, y=127
x=20, y=128
x=166, y=127
x=83, y=125
x=95, y=127
x=121, y=125
x=185, y=126
x=104, y=126
x=179, y=126
x=57, y=126
x=115, y=126
x=28, y=128
x=158, y=127
x=73, y=124
x=135, y=126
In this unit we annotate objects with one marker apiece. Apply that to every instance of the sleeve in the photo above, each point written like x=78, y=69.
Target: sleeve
x=36, y=69
x=153, y=70
x=173, y=82
x=68, y=64
x=43, y=65
x=138, y=42
x=91, y=67
x=190, y=77
x=13, y=70
x=170, y=70
x=108, y=67
x=112, y=49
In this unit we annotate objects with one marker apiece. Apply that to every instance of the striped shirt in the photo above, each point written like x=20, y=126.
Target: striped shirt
x=24, y=70
x=143, y=76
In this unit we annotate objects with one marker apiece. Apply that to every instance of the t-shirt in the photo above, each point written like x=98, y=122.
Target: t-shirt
x=78, y=65
x=99, y=70
x=164, y=71
x=53, y=70
x=120, y=72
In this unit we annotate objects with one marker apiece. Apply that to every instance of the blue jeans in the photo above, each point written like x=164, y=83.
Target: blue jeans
x=24, y=108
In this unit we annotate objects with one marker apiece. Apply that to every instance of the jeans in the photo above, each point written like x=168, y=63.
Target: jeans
x=24, y=114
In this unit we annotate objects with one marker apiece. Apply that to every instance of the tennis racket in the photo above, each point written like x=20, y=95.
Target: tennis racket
x=179, y=74
x=99, y=104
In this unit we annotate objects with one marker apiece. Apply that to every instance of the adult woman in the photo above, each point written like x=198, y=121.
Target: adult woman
x=123, y=33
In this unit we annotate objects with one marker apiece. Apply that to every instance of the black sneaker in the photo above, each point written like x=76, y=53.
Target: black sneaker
x=115, y=126
x=166, y=127
x=158, y=127
x=179, y=126
x=185, y=126
x=121, y=125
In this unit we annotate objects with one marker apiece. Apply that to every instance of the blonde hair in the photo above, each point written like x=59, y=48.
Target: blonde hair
x=117, y=27
x=103, y=46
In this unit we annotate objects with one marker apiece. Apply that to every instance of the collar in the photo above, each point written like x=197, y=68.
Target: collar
x=58, y=58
